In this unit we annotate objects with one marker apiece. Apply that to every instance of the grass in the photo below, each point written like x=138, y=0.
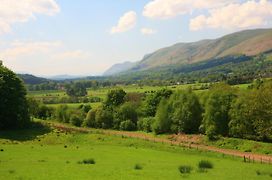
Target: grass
x=44, y=156
x=75, y=105
x=242, y=145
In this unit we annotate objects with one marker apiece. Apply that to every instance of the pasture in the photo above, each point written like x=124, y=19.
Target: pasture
x=43, y=153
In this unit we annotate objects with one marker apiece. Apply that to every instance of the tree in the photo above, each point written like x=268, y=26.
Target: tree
x=13, y=104
x=241, y=123
x=186, y=112
x=90, y=119
x=162, y=121
x=216, y=116
x=115, y=98
x=152, y=101
x=103, y=118
x=76, y=89
x=125, y=112
x=62, y=113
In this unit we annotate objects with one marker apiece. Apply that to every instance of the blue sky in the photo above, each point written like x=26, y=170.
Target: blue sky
x=51, y=37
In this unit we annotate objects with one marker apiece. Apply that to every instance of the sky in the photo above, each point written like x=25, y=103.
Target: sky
x=86, y=37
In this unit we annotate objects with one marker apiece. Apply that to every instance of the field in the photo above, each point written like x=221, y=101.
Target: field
x=26, y=153
x=102, y=92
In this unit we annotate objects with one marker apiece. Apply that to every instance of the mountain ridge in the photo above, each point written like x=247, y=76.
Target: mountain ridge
x=246, y=42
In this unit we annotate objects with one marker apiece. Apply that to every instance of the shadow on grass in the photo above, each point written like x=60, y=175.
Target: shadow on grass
x=32, y=132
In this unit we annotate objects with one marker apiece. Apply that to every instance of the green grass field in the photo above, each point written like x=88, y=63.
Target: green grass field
x=45, y=154
x=76, y=105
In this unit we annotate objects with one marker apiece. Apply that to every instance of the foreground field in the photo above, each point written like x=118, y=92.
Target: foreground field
x=46, y=154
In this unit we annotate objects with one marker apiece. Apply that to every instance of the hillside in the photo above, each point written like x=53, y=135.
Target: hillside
x=30, y=79
x=248, y=42
x=117, y=68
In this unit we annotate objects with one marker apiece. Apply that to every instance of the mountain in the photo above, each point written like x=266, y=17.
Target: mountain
x=248, y=42
x=30, y=79
x=118, y=68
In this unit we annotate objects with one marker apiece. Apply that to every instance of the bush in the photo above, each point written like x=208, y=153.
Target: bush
x=185, y=169
x=145, y=124
x=127, y=125
x=204, y=164
x=76, y=120
x=138, y=167
x=87, y=161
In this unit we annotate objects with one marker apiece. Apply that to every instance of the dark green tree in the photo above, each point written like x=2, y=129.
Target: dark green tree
x=127, y=111
x=115, y=98
x=162, y=121
x=152, y=101
x=186, y=112
x=103, y=118
x=76, y=89
x=13, y=104
x=216, y=116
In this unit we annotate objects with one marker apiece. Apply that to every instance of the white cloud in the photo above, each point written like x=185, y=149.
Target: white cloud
x=165, y=9
x=19, y=49
x=21, y=11
x=147, y=31
x=125, y=23
x=77, y=54
x=236, y=16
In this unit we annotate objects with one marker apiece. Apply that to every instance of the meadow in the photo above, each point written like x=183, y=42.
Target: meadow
x=74, y=155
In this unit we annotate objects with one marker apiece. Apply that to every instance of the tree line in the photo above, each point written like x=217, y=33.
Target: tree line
x=220, y=111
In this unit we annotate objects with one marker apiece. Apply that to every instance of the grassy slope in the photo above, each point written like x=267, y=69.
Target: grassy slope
x=46, y=158
x=249, y=42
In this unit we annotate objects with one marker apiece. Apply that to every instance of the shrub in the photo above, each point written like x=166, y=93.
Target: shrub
x=127, y=125
x=145, y=124
x=138, y=167
x=87, y=161
x=76, y=120
x=185, y=169
x=204, y=164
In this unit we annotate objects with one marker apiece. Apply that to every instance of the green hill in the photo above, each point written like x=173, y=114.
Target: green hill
x=30, y=79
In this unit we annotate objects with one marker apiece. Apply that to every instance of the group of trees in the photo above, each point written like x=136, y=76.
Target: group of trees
x=221, y=111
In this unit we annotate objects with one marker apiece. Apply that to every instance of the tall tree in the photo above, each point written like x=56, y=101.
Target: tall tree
x=216, y=116
x=13, y=104
x=186, y=112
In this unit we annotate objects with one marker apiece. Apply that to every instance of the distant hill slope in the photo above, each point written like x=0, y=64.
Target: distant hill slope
x=118, y=68
x=248, y=42
x=30, y=79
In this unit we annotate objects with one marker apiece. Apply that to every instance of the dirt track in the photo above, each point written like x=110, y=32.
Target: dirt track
x=177, y=141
